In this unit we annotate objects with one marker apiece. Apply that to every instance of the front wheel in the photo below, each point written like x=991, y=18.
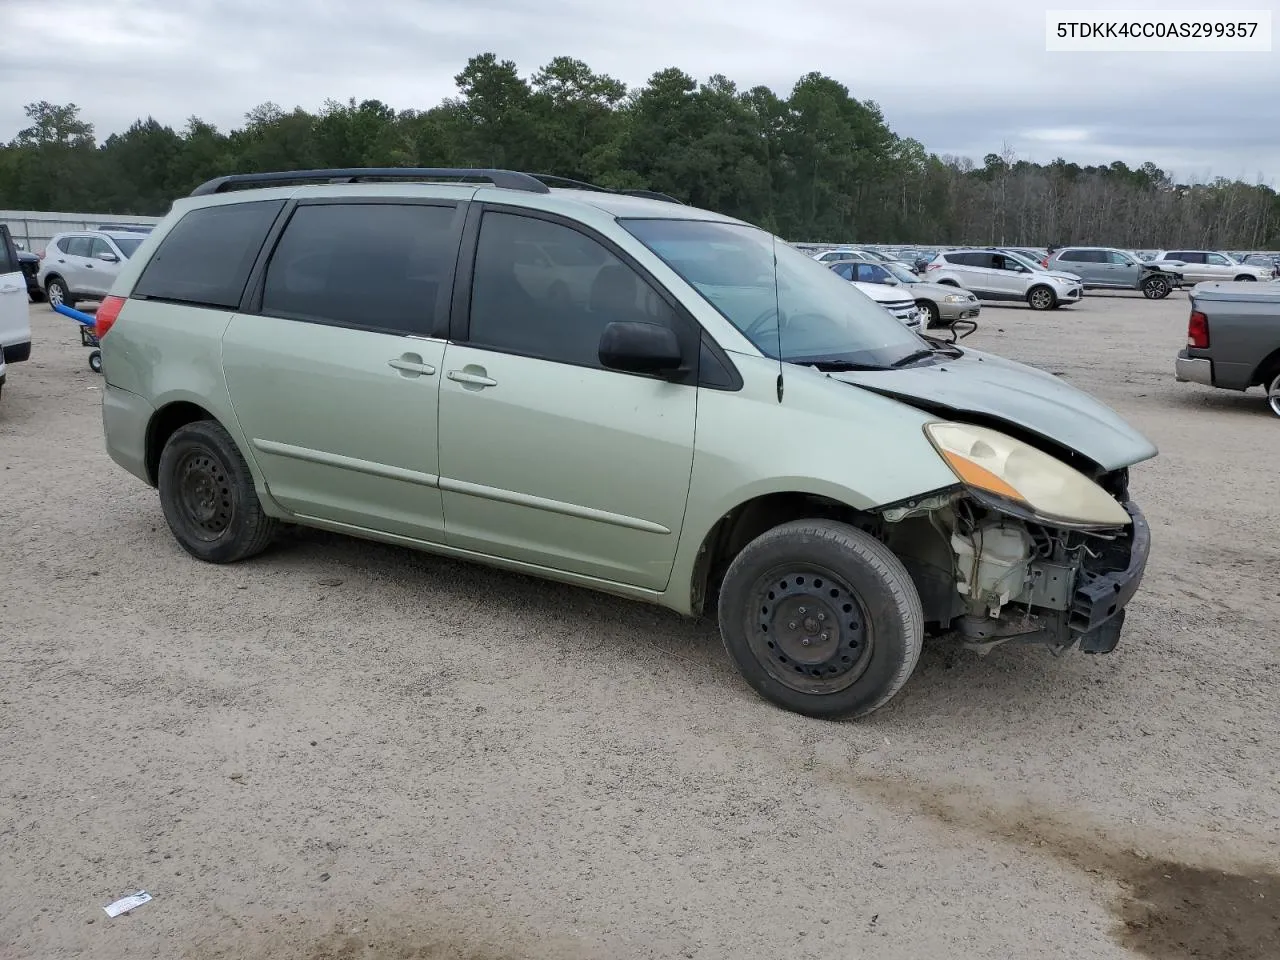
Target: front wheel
x=1155, y=288
x=1273, y=394
x=932, y=318
x=95, y=361
x=56, y=290
x=208, y=497
x=821, y=619
x=1042, y=298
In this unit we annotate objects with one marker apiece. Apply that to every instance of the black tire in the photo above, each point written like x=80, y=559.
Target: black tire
x=35, y=295
x=57, y=292
x=837, y=574
x=208, y=498
x=1156, y=288
x=1246, y=276
x=932, y=318
x=95, y=361
x=1041, y=297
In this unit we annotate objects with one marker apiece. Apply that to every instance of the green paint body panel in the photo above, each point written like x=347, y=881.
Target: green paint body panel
x=582, y=475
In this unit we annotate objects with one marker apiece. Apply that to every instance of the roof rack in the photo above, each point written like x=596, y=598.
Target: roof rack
x=508, y=179
x=553, y=180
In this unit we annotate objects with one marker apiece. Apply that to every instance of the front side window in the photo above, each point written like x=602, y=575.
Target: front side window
x=1217, y=259
x=99, y=247
x=787, y=305
x=127, y=245
x=871, y=273
x=379, y=266
x=545, y=290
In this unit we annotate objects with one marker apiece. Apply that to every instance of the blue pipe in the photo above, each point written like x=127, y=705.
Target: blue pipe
x=83, y=318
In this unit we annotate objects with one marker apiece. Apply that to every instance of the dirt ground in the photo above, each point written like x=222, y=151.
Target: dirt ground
x=344, y=750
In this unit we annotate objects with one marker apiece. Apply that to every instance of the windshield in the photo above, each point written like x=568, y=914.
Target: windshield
x=127, y=244
x=1024, y=260
x=787, y=304
x=901, y=273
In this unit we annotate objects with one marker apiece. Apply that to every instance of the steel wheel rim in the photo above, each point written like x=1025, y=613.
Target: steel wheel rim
x=1273, y=395
x=204, y=495
x=795, y=603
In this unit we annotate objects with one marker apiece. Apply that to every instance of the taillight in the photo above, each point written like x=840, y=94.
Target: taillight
x=40, y=255
x=108, y=310
x=1198, y=331
x=1045, y=263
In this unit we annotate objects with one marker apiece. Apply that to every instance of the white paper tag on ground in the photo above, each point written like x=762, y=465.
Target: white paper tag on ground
x=125, y=904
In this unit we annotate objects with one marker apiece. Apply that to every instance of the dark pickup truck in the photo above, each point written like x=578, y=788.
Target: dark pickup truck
x=1233, y=338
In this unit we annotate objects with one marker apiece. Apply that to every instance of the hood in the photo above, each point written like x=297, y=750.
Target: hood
x=937, y=290
x=883, y=293
x=1059, y=275
x=986, y=385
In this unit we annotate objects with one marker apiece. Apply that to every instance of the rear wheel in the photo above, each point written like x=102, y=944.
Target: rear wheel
x=1273, y=394
x=1042, y=298
x=95, y=361
x=1155, y=288
x=821, y=619
x=208, y=497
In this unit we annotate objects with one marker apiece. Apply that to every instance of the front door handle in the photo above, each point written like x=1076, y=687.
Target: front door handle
x=411, y=365
x=10, y=288
x=469, y=376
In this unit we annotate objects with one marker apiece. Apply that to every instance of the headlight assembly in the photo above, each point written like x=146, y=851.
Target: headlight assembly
x=954, y=298
x=1017, y=476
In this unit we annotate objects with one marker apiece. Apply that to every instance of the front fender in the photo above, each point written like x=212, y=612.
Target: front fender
x=825, y=438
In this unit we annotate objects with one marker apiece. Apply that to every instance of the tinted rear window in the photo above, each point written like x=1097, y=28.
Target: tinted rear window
x=206, y=258
x=1080, y=256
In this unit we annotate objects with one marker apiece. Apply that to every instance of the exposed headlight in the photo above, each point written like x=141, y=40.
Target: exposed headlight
x=1018, y=475
x=954, y=298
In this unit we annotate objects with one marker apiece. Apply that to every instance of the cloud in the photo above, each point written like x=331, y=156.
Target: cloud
x=965, y=79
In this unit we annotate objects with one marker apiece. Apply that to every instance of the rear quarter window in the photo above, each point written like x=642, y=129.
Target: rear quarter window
x=206, y=258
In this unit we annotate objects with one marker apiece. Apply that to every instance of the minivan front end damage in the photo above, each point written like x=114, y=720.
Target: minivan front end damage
x=994, y=564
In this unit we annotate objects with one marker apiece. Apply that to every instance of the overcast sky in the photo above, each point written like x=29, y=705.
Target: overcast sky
x=963, y=76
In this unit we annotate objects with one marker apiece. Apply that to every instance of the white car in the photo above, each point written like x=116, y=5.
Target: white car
x=893, y=299
x=83, y=264
x=15, y=327
x=1004, y=275
x=1198, y=266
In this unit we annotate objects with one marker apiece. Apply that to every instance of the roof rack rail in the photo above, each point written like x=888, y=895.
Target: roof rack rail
x=508, y=179
x=553, y=180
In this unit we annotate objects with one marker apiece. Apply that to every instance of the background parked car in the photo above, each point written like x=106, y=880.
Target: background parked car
x=1111, y=269
x=1202, y=265
x=15, y=327
x=1002, y=275
x=1267, y=261
x=1233, y=339
x=82, y=265
x=900, y=304
x=30, y=265
x=939, y=303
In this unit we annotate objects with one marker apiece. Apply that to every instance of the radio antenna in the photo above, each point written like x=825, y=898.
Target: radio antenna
x=777, y=306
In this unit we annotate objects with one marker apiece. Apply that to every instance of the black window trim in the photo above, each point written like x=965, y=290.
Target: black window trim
x=436, y=325
x=690, y=333
x=187, y=301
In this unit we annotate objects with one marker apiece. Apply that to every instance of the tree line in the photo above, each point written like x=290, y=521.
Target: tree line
x=817, y=165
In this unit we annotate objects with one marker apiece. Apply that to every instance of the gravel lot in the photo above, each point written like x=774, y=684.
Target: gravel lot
x=346, y=750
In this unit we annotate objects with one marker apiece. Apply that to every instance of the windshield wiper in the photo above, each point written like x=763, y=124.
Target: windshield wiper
x=912, y=358
x=835, y=366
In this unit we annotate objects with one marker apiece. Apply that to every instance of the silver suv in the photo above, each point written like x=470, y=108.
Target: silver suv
x=1004, y=275
x=1112, y=269
x=83, y=264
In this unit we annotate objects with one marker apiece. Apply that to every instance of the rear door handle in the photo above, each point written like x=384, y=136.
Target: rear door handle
x=475, y=379
x=411, y=365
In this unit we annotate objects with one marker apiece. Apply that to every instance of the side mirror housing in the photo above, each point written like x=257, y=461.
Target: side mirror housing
x=640, y=348
x=108, y=257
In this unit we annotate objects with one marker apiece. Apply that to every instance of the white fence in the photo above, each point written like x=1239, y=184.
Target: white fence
x=34, y=228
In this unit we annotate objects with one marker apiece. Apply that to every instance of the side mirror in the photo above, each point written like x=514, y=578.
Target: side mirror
x=640, y=348
x=109, y=257
x=892, y=282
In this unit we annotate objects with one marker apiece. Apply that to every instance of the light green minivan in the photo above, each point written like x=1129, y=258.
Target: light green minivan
x=618, y=391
